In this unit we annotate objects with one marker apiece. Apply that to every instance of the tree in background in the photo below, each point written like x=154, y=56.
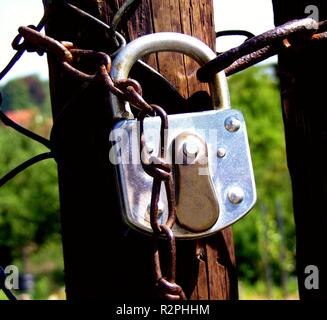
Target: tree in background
x=258, y=237
x=29, y=205
x=26, y=92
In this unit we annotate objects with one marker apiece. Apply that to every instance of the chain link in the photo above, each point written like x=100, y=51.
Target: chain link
x=294, y=34
x=30, y=39
x=131, y=91
x=157, y=167
x=161, y=171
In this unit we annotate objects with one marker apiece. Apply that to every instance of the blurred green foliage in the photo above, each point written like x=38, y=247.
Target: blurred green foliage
x=258, y=291
x=258, y=237
x=46, y=264
x=264, y=240
x=26, y=92
x=29, y=204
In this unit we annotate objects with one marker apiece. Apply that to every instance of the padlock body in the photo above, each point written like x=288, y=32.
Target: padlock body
x=229, y=160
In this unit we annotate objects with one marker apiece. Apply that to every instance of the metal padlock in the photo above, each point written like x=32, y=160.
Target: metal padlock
x=224, y=190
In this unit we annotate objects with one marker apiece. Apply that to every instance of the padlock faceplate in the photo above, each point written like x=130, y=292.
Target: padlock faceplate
x=229, y=159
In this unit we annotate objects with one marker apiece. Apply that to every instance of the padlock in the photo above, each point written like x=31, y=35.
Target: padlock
x=214, y=177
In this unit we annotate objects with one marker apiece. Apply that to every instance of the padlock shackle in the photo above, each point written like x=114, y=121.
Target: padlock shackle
x=165, y=41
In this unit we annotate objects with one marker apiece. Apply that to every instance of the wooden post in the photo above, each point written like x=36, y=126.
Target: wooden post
x=303, y=90
x=102, y=257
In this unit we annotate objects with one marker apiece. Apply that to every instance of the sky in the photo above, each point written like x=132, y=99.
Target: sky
x=252, y=15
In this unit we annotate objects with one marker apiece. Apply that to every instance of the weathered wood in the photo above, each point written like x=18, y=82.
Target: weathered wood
x=91, y=227
x=93, y=234
x=215, y=279
x=190, y=17
x=303, y=91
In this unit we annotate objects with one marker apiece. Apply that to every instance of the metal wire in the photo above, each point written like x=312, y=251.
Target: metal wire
x=27, y=133
x=235, y=32
x=11, y=63
x=244, y=33
x=3, y=117
x=22, y=49
x=128, y=8
x=303, y=28
x=23, y=166
x=118, y=39
x=10, y=123
x=85, y=14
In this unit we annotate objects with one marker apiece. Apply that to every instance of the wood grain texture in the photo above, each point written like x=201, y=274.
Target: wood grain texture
x=214, y=280
x=190, y=17
x=93, y=233
x=303, y=92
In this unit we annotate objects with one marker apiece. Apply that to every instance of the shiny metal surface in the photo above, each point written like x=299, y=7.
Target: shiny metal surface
x=234, y=170
x=197, y=207
x=165, y=41
x=191, y=147
x=232, y=124
x=221, y=152
x=235, y=195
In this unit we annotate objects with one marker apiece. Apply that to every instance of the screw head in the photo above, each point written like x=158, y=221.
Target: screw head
x=191, y=148
x=236, y=195
x=221, y=152
x=232, y=124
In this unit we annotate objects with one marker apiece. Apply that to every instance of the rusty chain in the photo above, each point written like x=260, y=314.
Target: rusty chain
x=131, y=91
x=33, y=40
x=161, y=171
x=293, y=34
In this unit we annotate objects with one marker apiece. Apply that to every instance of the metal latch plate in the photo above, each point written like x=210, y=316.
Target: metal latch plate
x=229, y=159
